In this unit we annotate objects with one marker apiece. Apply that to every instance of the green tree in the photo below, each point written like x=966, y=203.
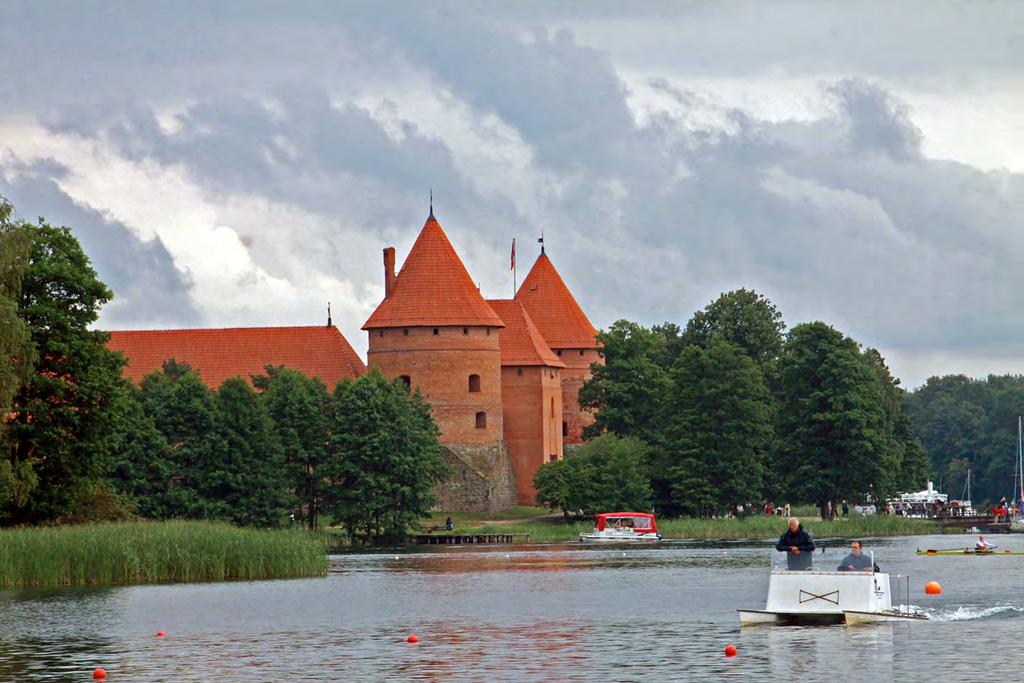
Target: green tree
x=606, y=474
x=17, y=353
x=248, y=485
x=298, y=405
x=385, y=458
x=831, y=421
x=555, y=483
x=912, y=471
x=626, y=392
x=718, y=427
x=186, y=413
x=62, y=412
x=143, y=468
x=743, y=318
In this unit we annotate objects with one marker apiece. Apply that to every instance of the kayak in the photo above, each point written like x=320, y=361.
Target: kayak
x=970, y=551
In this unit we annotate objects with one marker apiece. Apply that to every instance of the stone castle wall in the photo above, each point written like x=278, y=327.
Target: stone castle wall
x=481, y=479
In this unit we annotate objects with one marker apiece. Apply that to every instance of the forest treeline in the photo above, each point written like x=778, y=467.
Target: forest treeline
x=80, y=442
x=971, y=424
x=734, y=409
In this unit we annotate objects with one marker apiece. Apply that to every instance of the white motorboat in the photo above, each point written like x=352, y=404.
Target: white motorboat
x=623, y=527
x=824, y=595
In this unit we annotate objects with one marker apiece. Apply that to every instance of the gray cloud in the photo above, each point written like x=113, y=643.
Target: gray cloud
x=148, y=289
x=840, y=217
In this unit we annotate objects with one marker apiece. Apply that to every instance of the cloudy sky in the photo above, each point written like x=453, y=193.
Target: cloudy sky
x=243, y=163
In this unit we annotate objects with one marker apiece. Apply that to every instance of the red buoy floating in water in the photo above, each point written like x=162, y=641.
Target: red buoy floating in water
x=160, y=634
x=730, y=651
x=99, y=674
x=933, y=588
x=412, y=639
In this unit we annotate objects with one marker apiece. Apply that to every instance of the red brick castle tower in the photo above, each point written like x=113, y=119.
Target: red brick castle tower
x=569, y=333
x=531, y=394
x=435, y=331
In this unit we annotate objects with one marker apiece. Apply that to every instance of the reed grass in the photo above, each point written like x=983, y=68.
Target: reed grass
x=155, y=552
x=756, y=527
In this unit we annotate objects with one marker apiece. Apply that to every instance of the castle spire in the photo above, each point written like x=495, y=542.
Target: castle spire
x=431, y=216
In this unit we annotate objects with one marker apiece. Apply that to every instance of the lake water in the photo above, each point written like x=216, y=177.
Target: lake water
x=513, y=613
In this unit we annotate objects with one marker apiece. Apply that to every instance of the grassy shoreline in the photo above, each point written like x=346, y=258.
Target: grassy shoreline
x=755, y=527
x=155, y=552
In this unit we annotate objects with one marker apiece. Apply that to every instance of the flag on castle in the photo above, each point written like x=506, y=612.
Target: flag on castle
x=513, y=265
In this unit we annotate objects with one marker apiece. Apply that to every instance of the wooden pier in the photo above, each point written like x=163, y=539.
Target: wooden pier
x=983, y=523
x=465, y=539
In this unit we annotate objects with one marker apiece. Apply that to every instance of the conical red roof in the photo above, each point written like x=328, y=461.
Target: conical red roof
x=521, y=342
x=554, y=310
x=433, y=288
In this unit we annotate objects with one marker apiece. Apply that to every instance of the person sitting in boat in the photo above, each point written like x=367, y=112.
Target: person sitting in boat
x=798, y=546
x=983, y=545
x=856, y=561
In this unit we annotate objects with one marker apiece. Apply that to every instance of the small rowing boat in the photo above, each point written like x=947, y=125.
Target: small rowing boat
x=968, y=551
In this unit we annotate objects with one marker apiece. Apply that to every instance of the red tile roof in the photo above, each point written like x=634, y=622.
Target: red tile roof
x=433, y=288
x=219, y=354
x=521, y=342
x=554, y=310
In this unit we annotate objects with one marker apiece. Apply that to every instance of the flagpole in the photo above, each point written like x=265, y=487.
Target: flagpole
x=514, y=272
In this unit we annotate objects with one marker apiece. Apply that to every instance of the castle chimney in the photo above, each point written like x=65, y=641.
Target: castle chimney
x=389, y=271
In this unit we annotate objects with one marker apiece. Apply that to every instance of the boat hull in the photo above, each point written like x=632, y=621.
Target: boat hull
x=753, y=617
x=858, y=617
x=814, y=597
x=982, y=553
x=635, y=538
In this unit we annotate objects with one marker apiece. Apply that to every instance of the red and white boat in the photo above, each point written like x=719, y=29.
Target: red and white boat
x=623, y=527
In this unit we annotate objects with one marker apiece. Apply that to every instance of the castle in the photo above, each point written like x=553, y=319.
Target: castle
x=502, y=375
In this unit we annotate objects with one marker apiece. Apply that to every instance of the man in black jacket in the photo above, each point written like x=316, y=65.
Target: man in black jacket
x=798, y=546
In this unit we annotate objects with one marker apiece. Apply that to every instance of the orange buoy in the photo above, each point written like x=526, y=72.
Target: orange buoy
x=730, y=651
x=932, y=588
x=99, y=674
x=412, y=639
x=160, y=634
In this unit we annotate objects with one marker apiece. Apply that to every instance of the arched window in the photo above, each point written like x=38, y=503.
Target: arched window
x=474, y=383
x=435, y=330
x=565, y=429
x=465, y=330
x=481, y=420
x=552, y=407
x=406, y=380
